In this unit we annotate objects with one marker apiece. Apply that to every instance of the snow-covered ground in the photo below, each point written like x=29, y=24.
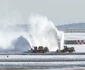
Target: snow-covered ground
x=41, y=57
x=67, y=68
x=76, y=36
x=41, y=61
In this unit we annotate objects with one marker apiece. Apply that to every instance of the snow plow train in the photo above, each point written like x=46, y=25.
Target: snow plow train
x=42, y=49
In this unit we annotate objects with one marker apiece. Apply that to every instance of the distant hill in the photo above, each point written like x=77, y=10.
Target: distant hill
x=73, y=26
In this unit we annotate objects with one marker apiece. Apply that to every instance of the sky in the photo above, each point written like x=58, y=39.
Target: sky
x=59, y=11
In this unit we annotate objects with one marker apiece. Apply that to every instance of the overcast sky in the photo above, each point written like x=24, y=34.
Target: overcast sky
x=59, y=11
